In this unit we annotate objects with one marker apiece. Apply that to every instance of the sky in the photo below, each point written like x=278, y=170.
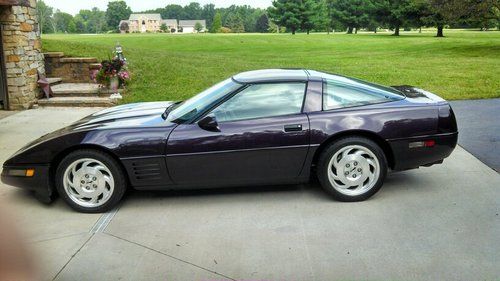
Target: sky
x=74, y=6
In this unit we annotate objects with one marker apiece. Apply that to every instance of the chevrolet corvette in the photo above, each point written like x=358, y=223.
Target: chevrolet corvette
x=264, y=127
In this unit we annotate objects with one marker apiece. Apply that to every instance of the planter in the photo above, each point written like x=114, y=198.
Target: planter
x=113, y=84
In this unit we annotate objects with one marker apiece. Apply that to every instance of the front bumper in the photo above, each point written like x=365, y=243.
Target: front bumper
x=407, y=157
x=39, y=182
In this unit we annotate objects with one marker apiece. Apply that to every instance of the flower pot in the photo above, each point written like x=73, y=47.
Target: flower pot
x=114, y=83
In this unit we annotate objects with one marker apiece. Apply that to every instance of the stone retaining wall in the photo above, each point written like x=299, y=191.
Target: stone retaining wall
x=22, y=52
x=71, y=70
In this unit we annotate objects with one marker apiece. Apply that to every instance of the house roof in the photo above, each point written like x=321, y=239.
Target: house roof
x=185, y=23
x=170, y=22
x=147, y=16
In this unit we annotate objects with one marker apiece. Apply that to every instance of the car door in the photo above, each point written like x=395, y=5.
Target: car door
x=260, y=136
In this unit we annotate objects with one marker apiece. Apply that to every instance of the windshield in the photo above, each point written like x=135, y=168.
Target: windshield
x=191, y=107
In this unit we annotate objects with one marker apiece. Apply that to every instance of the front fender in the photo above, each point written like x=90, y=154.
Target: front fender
x=123, y=143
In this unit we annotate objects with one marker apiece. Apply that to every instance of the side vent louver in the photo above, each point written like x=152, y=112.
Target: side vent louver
x=146, y=171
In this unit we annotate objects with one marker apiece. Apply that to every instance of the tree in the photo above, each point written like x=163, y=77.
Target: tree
x=173, y=11
x=323, y=17
x=62, y=21
x=352, y=13
x=217, y=23
x=394, y=13
x=262, y=24
x=96, y=20
x=117, y=11
x=307, y=15
x=79, y=24
x=198, y=27
x=415, y=14
x=71, y=26
x=444, y=12
x=124, y=27
x=208, y=13
x=486, y=14
x=193, y=11
x=45, y=17
x=235, y=23
x=286, y=13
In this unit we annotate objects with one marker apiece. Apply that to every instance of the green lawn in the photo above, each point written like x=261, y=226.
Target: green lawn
x=463, y=65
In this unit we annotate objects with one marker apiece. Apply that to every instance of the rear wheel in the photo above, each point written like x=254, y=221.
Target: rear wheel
x=90, y=181
x=352, y=169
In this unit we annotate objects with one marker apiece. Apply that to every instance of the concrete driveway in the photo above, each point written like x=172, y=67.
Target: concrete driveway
x=433, y=223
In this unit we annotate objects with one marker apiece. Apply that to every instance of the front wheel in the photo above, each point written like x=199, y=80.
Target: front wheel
x=352, y=169
x=90, y=181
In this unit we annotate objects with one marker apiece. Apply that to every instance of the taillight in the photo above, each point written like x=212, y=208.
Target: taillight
x=427, y=143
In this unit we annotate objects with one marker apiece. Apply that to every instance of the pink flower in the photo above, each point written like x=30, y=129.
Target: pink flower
x=124, y=75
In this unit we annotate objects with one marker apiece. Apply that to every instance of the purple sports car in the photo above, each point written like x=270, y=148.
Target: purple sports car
x=278, y=126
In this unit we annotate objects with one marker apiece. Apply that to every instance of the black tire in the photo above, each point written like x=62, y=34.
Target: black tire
x=120, y=183
x=329, y=152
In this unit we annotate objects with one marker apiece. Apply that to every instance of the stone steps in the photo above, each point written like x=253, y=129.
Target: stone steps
x=73, y=85
x=54, y=81
x=78, y=95
x=76, y=102
x=75, y=89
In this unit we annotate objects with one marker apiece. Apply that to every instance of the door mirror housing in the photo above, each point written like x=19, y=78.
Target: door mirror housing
x=209, y=123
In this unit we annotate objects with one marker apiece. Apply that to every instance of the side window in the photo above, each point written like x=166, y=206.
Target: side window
x=262, y=100
x=339, y=95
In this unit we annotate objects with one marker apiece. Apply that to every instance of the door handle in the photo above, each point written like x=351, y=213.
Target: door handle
x=293, y=128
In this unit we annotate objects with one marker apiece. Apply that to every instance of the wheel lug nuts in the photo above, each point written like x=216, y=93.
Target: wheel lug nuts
x=355, y=163
x=83, y=182
x=347, y=165
x=359, y=169
x=94, y=178
x=94, y=186
x=87, y=176
x=346, y=173
x=354, y=175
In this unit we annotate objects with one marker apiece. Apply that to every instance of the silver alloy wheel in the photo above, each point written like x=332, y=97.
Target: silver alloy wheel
x=353, y=170
x=88, y=182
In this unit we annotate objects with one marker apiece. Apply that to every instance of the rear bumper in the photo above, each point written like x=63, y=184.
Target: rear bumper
x=409, y=158
x=39, y=182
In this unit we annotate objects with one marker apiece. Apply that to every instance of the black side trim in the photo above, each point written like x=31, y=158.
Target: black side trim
x=237, y=150
x=425, y=136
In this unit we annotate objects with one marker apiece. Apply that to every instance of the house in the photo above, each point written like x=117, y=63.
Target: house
x=21, y=57
x=153, y=22
x=171, y=25
x=144, y=23
x=188, y=26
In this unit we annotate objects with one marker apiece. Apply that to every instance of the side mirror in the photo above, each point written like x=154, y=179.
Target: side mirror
x=209, y=123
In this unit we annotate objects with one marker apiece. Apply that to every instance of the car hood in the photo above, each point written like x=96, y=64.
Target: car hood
x=137, y=115
x=144, y=114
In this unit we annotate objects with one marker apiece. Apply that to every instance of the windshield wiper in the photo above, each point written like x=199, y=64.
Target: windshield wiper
x=169, y=109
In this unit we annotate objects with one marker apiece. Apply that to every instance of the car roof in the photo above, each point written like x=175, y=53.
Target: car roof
x=271, y=75
x=284, y=74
